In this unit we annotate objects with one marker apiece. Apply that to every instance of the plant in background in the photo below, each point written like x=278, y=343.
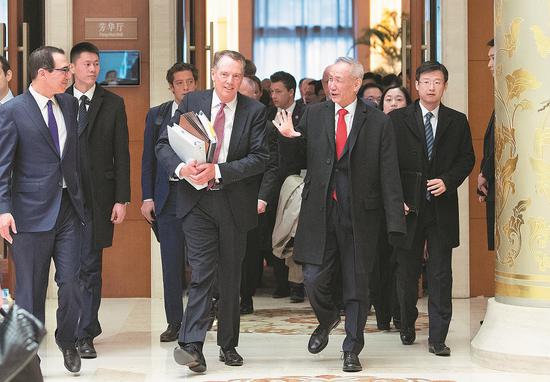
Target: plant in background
x=383, y=38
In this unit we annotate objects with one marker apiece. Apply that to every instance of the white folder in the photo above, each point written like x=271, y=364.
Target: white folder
x=187, y=147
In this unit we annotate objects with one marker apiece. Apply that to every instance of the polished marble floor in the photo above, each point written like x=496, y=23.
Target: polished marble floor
x=129, y=349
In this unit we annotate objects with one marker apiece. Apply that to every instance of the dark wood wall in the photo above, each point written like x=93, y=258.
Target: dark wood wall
x=127, y=264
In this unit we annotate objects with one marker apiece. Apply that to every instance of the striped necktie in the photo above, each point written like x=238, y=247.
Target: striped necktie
x=429, y=141
x=429, y=133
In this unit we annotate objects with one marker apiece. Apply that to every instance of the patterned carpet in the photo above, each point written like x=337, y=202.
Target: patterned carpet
x=302, y=321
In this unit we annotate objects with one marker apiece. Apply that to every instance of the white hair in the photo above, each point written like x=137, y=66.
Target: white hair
x=356, y=69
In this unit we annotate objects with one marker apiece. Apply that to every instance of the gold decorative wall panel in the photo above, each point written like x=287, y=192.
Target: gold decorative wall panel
x=522, y=152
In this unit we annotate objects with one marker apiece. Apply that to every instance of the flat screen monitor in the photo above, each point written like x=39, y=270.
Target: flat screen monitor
x=119, y=68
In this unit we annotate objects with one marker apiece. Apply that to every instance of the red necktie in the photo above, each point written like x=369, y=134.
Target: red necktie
x=219, y=127
x=341, y=138
x=341, y=132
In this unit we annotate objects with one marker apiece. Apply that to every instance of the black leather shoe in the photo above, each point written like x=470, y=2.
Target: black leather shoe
x=230, y=357
x=319, y=338
x=71, y=359
x=171, y=333
x=383, y=326
x=297, y=293
x=247, y=306
x=190, y=355
x=397, y=324
x=351, y=362
x=440, y=349
x=86, y=348
x=281, y=292
x=407, y=335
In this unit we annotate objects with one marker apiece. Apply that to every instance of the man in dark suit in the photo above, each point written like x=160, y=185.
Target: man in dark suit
x=217, y=218
x=159, y=198
x=40, y=192
x=105, y=173
x=352, y=180
x=486, y=177
x=434, y=143
x=285, y=158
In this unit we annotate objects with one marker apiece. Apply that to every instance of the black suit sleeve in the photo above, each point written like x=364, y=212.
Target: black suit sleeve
x=148, y=158
x=166, y=156
x=121, y=155
x=391, y=182
x=464, y=161
x=270, y=180
x=488, y=161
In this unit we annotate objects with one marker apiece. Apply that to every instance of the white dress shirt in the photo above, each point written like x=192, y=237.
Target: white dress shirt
x=174, y=108
x=289, y=109
x=90, y=94
x=42, y=102
x=435, y=116
x=348, y=117
x=229, y=111
x=7, y=97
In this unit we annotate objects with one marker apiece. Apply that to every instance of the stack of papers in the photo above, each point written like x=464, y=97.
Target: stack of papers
x=193, y=138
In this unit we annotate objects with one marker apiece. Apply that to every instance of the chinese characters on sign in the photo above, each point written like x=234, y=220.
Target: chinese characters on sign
x=109, y=28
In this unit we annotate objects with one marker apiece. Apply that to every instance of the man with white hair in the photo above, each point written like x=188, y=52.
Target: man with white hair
x=352, y=180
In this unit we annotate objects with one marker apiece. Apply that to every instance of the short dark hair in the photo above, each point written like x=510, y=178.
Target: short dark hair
x=491, y=42
x=4, y=65
x=317, y=85
x=234, y=55
x=372, y=76
x=42, y=58
x=83, y=47
x=368, y=86
x=432, y=66
x=257, y=81
x=181, y=67
x=390, y=80
x=404, y=90
x=249, y=68
x=287, y=79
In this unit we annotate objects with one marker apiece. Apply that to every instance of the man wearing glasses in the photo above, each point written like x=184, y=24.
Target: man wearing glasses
x=41, y=208
x=435, y=156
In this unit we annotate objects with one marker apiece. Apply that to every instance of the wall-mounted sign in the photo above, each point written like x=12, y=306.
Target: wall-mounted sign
x=110, y=28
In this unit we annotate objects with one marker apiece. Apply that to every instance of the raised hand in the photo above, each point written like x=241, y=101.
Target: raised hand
x=283, y=123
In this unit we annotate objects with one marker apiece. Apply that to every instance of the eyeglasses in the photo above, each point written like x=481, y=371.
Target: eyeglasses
x=428, y=82
x=64, y=69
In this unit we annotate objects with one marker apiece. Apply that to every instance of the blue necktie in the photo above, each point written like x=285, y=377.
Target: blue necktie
x=52, y=125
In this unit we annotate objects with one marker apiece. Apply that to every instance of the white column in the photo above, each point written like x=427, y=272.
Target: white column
x=162, y=53
x=454, y=55
x=515, y=333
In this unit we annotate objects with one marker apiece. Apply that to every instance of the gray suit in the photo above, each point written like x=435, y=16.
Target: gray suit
x=216, y=222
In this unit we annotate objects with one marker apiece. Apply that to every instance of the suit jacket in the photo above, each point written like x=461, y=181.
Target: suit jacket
x=247, y=157
x=104, y=161
x=488, y=161
x=286, y=157
x=31, y=169
x=452, y=160
x=373, y=182
x=154, y=178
